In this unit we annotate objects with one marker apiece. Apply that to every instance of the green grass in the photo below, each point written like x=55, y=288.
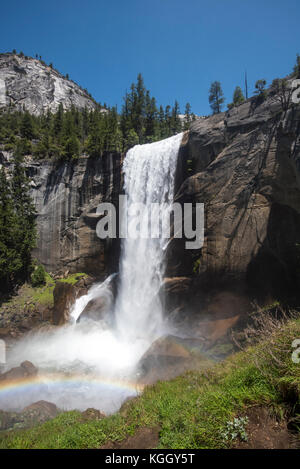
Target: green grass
x=73, y=278
x=42, y=295
x=191, y=410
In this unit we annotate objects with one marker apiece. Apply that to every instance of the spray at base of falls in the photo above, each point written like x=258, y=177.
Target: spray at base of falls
x=110, y=350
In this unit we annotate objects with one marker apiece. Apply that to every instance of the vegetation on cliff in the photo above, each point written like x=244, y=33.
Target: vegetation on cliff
x=17, y=221
x=68, y=133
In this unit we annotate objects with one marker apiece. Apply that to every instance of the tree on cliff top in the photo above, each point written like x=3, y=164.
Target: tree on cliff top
x=238, y=97
x=297, y=67
x=260, y=86
x=216, y=97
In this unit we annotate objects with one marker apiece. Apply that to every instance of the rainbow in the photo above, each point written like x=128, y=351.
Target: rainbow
x=27, y=384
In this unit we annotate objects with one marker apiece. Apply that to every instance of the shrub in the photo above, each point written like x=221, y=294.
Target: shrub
x=38, y=276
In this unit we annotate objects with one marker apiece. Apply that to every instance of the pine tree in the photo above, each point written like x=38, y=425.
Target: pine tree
x=238, y=97
x=175, y=119
x=27, y=127
x=296, y=72
x=58, y=120
x=151, y=118
x=260, y=86
x=187, y=116
x=71, y=148
x=25, y=232
x=216, y=97
x=10, y=259
x=168, y=120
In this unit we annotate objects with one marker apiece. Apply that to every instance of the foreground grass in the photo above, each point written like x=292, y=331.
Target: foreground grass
x=191, y=410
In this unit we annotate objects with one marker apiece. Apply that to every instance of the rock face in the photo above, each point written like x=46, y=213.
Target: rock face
x=66, y=196
x=25, y=370
x=244, y=166
x=170, y=356
x=94, y=310
x=36, y=413
x=27, y=83
x=64, y=296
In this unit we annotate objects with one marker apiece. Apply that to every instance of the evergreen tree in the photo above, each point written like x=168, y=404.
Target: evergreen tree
x=10, y=260
x=27, y=127
x=25, y=232
x=132, y=139
x=175, y=126
x=296, y=72
x=58, y=121
x=38, y=276
x=187, y=116
x=151, y=118
x=260, y=86
x=71, y=147
x=168, y=120
x=216, y=97
x=238, y=97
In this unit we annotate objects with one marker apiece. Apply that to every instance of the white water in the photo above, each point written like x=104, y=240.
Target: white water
x=112, y=350
x=149, y=172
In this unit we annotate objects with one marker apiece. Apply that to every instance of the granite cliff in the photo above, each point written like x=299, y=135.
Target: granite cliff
x=27, y=83
x=66, y=196
x=244, y=166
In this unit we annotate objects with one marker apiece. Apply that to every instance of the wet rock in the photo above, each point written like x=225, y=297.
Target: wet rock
x=4, y=332
x=170, y=356
x=36, y=413
x=64, y=295
x=25, y=370
x=175, y=291
x=94, y=310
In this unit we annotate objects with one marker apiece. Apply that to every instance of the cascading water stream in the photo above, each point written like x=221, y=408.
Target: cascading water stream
x=93, y=358
x=149, y=173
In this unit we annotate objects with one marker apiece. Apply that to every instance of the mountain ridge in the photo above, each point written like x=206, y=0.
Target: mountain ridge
x=29, y=84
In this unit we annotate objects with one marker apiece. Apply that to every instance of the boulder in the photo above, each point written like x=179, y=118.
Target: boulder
x=92, y=414
x=36, y=413
x=41, y=410
x=4, y=332
x=175, y=292
x=25, y=370
x=94, y=310
x=170, y=356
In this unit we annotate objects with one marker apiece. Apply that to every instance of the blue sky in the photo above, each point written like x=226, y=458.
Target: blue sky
x=180, y=47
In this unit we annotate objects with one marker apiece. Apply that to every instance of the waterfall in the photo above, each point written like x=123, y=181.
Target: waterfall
x=98, y=356
x=149, y=174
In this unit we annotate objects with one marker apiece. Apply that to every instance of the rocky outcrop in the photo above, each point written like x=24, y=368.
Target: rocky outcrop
x=36, y=413
x=94, y=310
x=25, y=370
x=27, y=83
x=64, y=296
x=66, y=196
x=170, y=356
x=244, y=166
